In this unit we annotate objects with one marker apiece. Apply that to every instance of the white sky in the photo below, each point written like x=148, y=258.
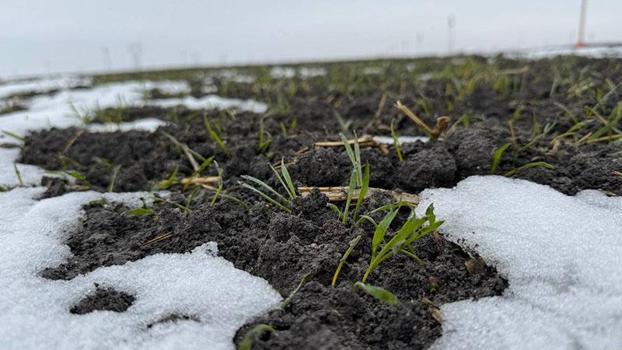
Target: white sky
x=42, y=36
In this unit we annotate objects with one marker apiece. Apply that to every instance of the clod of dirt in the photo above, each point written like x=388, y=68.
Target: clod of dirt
x=104, y=299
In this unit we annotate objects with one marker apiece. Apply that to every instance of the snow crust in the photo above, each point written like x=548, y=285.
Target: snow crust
x=388, y=140
x=34, y=312
x=42, y=85
x=598, y=52
x=562, y=257
x=212, y=101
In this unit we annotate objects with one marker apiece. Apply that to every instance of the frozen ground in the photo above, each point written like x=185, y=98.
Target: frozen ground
x=561, y=255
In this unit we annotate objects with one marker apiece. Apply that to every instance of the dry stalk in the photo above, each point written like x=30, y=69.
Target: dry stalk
x=340, y=193
x=364, y=142
x=441, y=122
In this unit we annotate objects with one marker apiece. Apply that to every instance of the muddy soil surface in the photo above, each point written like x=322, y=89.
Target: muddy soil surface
x=531, y=110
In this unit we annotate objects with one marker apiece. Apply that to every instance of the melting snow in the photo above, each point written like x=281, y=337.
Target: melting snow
x=41, y=85
x=561, y=255
x=388, y=140
x=212, y=101
x=34, y=312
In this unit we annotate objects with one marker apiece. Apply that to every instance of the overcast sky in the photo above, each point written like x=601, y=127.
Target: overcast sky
x=41, y=36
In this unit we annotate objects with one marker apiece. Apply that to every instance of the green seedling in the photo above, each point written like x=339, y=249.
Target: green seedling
x=289, y=298
x=220, y=185
x=113, y=178
x=254, y=334
x=353, y=243
x=215, y=136
x=140, y=212
x=79, y=177
x=13, y=135
x=265, y=140
x=205, y=164
x=187, y=151
x=496, y=157
x=268, y=193
x=169, y=181
x=531, y=165
x=378, y=293
x=359, y=182
x=396, y=142
x=85, y=118
x=401, y=242
x=18, y=174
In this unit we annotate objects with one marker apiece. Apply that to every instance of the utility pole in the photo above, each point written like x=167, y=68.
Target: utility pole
x=451, y=24
x=581, y=37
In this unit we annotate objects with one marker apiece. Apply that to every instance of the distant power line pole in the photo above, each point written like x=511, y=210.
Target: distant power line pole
x=451, y=25
x=581, y=36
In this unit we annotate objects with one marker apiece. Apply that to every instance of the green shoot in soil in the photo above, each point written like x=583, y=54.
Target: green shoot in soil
x=345, y=256
x=396, y=142
x=215, y=136
x=401, y=242
x=268, y=193
x=379, y=293
x=13, y=135
x=19, y=175
x=253, y=334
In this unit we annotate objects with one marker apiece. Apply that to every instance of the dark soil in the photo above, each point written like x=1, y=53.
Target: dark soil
x=104, y=299
x=487, y=96
x=283, y=248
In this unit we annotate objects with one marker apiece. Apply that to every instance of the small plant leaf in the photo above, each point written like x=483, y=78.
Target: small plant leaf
x=496, y=157
x=379, y=293
x=345, y=256
x=254, y=333
x=291, y=188
x=381, y=231
x=140, y=212
x=532, y=165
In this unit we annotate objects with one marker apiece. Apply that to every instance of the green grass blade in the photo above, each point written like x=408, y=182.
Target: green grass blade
x=544, y=165
x=265, y=186
x=266, y=197
x=362, y=192
x=379, y=293
x=496, y=157
x=288, y=180
x=345, y=256
x=381, y=231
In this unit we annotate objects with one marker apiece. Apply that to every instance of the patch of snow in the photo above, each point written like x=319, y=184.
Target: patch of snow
x=561, y=255
x=234, y=76
x=147, y=124
x=388, y=140
x=311, y=72
x=598, y=52
x=30, y=174
x=41, y=85
x=172, y=87
x=34, y=312
x=373, y=70
x=212, y=101
x=282, y=72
